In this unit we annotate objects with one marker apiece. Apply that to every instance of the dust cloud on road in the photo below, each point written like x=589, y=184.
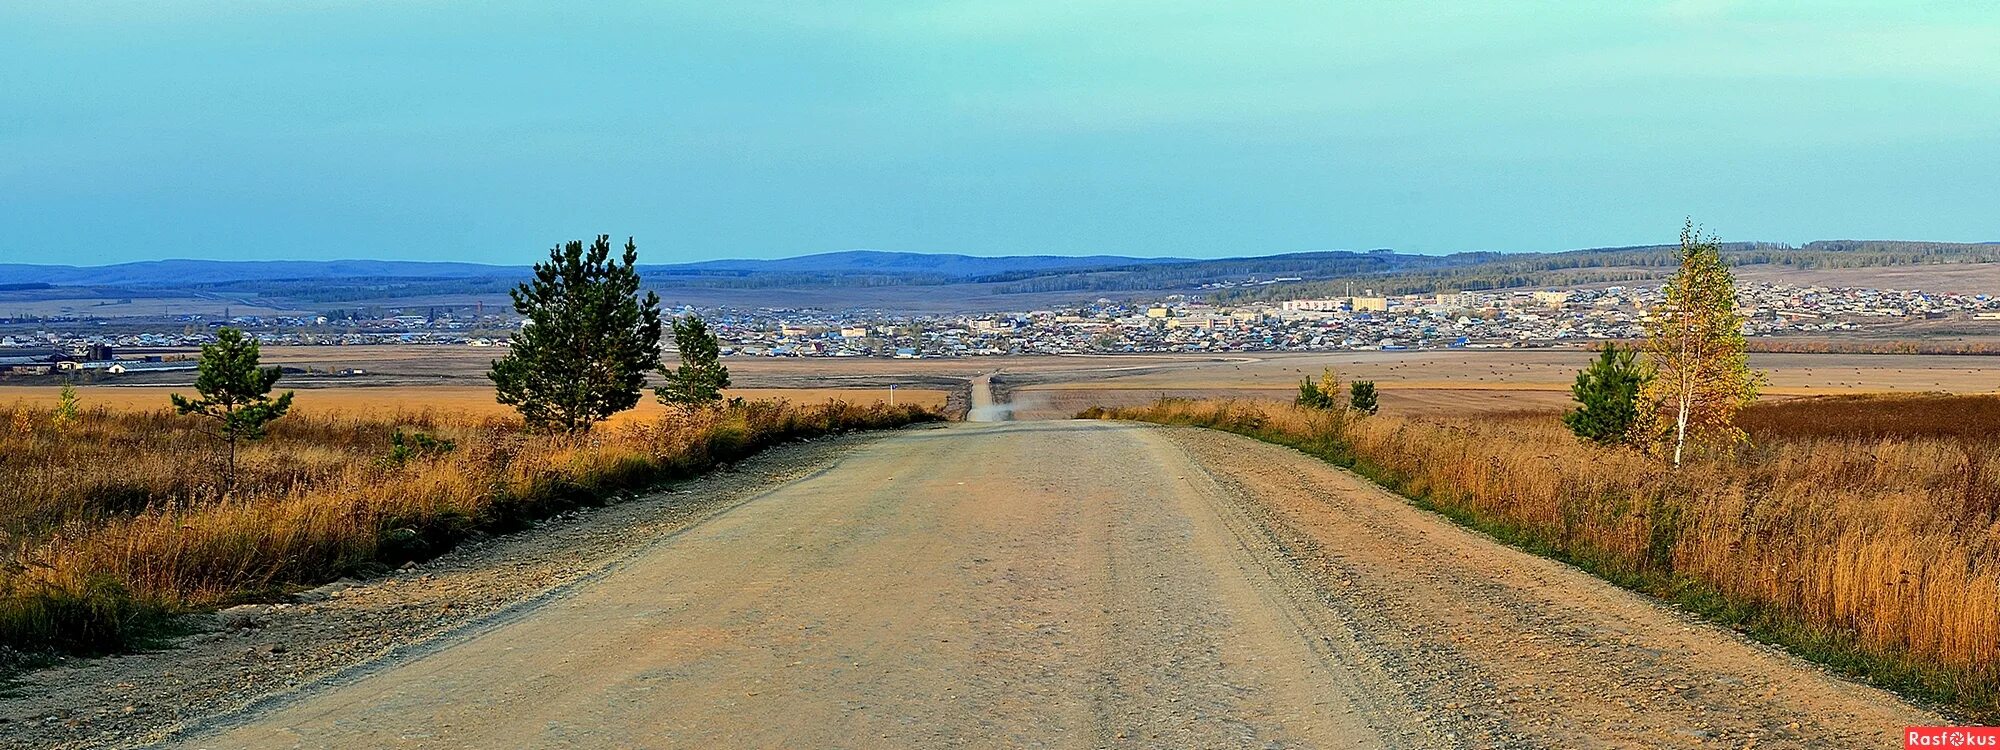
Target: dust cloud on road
x=985, y=408
x=1081, y=585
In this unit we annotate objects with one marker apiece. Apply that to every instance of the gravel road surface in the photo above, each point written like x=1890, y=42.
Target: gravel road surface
x=1072, y=585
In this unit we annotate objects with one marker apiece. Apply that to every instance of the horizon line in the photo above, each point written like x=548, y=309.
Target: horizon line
x=978, y=255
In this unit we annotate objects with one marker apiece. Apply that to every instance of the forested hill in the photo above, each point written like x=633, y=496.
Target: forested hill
x=922, y=267
x=1226, y=279
x=1626, y=264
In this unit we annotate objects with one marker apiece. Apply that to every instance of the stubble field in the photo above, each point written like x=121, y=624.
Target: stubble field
x=1452, y=382
x=456, y=400
x=1480, y=381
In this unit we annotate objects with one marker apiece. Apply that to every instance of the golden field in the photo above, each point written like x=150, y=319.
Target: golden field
x=1860, y=531
x=1463, y=382
x=86, y=505
x=1457, y=381
x=115, y=521
x=1555, y=369
x=466, y=400
x=1048, y=385
x=463, y=365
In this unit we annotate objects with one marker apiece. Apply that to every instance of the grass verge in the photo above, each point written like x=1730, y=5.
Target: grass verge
x=112, y=532
x=1712, y=539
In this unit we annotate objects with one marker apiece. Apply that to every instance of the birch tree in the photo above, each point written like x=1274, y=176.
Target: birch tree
x=1694, y=341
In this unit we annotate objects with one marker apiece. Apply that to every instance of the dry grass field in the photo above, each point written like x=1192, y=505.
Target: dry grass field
x=1538, y=369
x=115, y=518
x=1875, y=417
x=1486, y=382
x=1532, y=369
x=1862, y=463
x=1044, y=387
x=1059, y=402
x=1864, y=532
x=455, y=362
x=1962, y=278
x=464, y=400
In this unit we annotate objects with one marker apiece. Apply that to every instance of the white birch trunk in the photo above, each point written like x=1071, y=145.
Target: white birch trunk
x=1686, y=400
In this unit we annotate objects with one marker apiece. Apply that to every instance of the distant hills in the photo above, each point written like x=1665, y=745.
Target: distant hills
x=1633, y=264
x=166, y=272
x=942, y=264
x=311, y=284
x=937, y=279
x=850, y=262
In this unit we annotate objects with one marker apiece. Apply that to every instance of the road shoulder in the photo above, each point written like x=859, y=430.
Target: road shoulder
x=1520, y=650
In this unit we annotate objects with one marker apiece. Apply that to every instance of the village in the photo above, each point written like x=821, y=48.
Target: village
x=1177, y=323
x=1507, y=319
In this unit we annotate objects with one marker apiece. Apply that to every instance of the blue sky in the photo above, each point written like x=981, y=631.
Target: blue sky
x=487, y=131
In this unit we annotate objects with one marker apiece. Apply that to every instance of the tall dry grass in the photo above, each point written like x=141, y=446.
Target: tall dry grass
x=1879, y=554
x=114, y=523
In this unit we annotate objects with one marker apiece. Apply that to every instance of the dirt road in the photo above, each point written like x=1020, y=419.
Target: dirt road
x=984, y=408
x=1080, y=585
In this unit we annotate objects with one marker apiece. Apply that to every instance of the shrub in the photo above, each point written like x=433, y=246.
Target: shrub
x=1361, y=396
x=406, y=446
x=1319, y=395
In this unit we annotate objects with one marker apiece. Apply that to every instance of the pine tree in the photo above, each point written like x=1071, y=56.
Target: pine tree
x=1695, y=345
x=236, y=393
x=583, y=353
x=1309, y=395
x=698, y=382
x=1361, y=396
x=1607, y=394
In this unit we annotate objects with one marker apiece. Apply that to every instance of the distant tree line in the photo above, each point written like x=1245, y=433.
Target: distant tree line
x=1195, y=273
x=333, y=290
x=740, y=279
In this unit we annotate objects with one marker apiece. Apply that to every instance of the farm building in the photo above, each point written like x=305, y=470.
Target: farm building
x=121, y=368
